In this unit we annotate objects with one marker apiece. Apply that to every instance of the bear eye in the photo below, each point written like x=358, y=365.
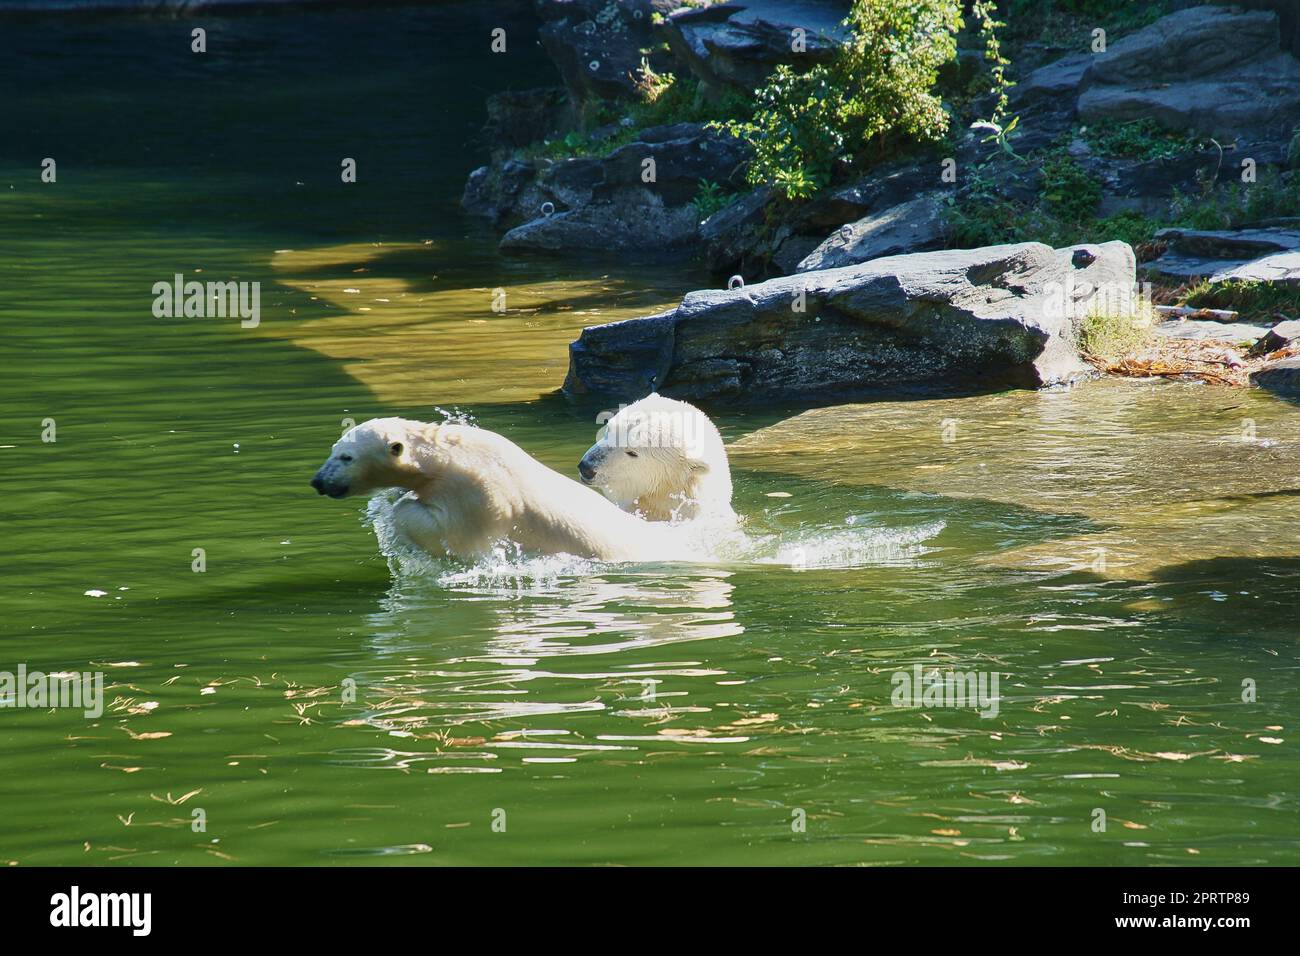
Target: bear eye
x=631, y=453
x=345, y=457
x=395, y=448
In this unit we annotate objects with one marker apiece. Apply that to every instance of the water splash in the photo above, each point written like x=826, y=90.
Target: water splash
x=854, y=543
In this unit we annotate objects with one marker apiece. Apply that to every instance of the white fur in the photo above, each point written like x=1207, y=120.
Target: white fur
x=468, y=489
x=662, y=459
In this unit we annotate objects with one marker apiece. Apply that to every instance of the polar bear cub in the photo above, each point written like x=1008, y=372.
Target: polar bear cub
x=468, y=489
x=662, y=459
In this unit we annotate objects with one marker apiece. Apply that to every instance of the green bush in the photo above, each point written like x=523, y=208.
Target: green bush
x=710, y=199
x=1069, y=192
x=1069, y=23
x=1139, y=139
x=1274, y=196
x=1254, y=299
x=879, y=87
x=1132, y=227
x=1062, y=215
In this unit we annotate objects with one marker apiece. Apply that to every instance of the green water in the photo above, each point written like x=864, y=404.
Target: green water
x=1118, y=554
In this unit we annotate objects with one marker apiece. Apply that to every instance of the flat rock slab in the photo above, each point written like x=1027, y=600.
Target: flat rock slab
x=1204, y=329
x=1271, y=255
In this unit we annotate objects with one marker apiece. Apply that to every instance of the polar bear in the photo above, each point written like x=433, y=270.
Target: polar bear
x=662, y=459
x=468, y=489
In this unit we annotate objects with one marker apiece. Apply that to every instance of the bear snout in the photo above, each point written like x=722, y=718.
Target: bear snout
x=586, y=470
x=326, y=486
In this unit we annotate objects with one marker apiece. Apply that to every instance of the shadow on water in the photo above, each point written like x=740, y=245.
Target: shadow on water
x=1245, y=598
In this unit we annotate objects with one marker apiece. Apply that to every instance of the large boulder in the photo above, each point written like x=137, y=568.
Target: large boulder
x=505, y=193
x=959, y=320
x=738, y=45
x=1215, y=70
x=630, y=222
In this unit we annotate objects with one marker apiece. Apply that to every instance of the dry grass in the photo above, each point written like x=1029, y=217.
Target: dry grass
x=1214, y=361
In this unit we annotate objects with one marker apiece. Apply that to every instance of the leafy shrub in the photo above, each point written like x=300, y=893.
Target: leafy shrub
x=879, y=86
x=1067, y=23
x=1061, y=216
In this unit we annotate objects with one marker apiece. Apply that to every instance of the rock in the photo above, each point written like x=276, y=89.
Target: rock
x=957, y=320
x=628, y=223
x=1199, y=330
x=1288, y=12
x=504, y=193
x=1057, y=82
x=1097, y=276
x=735, y=233
x=912, y=226
x=627, y=360
x=789, y=249
x=1280, y=336
x=1189, y=43
x=596, y=44
x=683, y=155
x=517, y=118
x=1160, y=177
x=1217, y=71
x=1281, y=378
x=604, y=204
x=1271, y=255
x=880, y=188
x=759, y=233
x=737, y=46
